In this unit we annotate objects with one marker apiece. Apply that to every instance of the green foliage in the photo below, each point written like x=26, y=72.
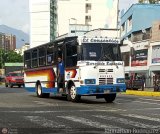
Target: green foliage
x=150, y=1
x=9, y=56
x=141, y=1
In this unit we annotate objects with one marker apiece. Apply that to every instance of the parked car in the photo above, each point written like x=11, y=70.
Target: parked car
x=14, y=79
x=134, y=84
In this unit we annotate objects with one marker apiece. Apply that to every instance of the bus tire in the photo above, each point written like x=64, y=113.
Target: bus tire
x=110, y=97
x=72, y=95
x=39, y=92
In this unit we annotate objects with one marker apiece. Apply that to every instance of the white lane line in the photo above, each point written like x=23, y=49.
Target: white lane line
x=87, y=122
x=142, y=117
x=39, y=112
x=44, y=122
x=157, y=108
x=145, y=102
x=150, y=99
x=32, y=112
x=126, y=121
x=45, y=103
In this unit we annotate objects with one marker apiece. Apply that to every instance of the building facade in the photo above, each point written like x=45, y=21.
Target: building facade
x=7, y=41
x=21, y=50
x=62, y=16
x=140, y=34
x=43, y=21
x=97, y=13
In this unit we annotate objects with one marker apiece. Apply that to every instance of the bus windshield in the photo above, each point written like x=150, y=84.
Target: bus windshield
x=101, y=52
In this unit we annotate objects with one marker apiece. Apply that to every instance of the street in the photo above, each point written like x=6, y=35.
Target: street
x=22, y=112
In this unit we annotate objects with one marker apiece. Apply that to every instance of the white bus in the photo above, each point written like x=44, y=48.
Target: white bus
x=93, y=67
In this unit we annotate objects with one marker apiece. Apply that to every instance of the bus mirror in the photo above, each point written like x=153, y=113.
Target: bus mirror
x=79, y=49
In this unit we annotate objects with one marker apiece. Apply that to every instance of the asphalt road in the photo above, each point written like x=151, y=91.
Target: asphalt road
x=24, y=113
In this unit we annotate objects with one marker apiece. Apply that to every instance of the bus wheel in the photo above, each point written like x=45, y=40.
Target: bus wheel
x=110, y=97
x=39, y=92
x=73, y=95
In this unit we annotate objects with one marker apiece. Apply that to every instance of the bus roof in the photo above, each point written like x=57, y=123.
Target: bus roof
x=53, y=42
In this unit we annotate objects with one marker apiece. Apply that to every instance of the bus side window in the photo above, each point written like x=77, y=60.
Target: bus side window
x=27, y=59
x=42, y=56
x=34, y=58
x=50, y=55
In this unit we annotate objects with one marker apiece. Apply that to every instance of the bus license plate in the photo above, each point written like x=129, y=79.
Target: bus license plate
x=106, y=91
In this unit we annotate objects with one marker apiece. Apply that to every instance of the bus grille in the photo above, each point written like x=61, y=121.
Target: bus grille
x=105, y=71
x=103, y=81
x=110, y=70
x=102, y=70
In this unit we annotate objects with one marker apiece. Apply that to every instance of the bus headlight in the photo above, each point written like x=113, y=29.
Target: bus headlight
x=120, y=80
x=90, y=81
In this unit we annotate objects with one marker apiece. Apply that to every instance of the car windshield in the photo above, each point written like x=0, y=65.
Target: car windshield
x=16, y=74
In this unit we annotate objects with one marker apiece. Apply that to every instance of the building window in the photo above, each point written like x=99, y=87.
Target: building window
x=130, y=21
x=123, y=27
x=88, y=7
x=156, y=54
x=87, y=19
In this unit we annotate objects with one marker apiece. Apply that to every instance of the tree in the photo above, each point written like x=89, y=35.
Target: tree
x=9, y=56
x=149, y=1
x=141, y=1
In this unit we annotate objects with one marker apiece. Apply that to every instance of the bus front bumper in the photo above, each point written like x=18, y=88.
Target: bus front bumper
x=100, y=89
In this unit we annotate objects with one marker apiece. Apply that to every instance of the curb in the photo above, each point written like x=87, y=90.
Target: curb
x=142, y=93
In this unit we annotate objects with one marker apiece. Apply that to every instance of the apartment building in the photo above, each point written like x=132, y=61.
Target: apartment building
x=7, y=41
x=140, y=36
x=21, y=50
x=69, y=16
x=43, y=21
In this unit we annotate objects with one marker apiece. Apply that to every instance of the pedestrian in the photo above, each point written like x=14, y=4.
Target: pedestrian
x=60, y=75
x=143, y=82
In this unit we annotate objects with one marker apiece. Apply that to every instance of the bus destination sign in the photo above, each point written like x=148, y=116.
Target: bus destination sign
x=101, y=40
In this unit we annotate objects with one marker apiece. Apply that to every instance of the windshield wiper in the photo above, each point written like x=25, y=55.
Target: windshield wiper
x=108, y=57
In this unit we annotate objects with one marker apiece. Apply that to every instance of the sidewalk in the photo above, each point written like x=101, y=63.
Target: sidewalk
x=146, y=92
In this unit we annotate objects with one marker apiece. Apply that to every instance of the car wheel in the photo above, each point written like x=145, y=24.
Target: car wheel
x=72, y=95
x=110, y=97
x=19, y=86
x=6, y=85
x=10, y=85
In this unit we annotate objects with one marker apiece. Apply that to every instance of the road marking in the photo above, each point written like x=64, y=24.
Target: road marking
x=126, y=121
x=41, y=112
x=143, y=117
x=45, y=103
x=147, y=102
x=87, y=122
x=44, y=122
x=157, y=108
x=149, y=99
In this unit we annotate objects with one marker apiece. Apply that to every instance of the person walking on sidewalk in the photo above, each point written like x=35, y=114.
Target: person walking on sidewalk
x=143, y=82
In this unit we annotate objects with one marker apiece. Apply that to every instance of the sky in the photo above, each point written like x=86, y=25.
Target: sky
x=15, y=13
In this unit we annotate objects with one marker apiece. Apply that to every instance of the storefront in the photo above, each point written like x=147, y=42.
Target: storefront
x=139, y=58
